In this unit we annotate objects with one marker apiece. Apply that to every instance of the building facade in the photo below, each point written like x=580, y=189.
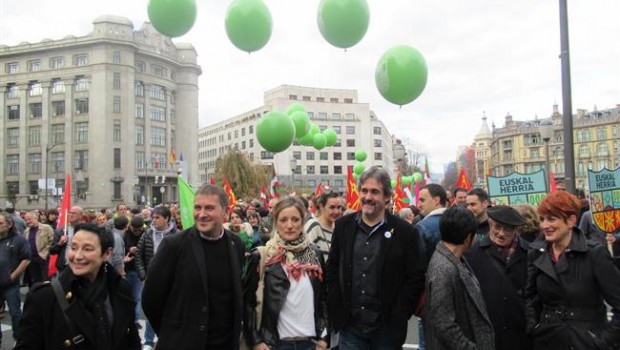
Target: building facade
x=109, y=108
x=355, y=124
x=518, y=146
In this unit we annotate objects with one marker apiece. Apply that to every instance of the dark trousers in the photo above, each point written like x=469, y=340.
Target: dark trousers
x=352, y=338
x=36, y=271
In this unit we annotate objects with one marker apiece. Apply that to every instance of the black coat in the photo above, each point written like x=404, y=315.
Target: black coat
x=275, y=290
x=43, y=325
x=565, y=300
x=503, y=289
x=175, y=298
x=401, y=274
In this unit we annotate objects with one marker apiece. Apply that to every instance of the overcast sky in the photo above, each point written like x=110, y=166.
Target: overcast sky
x=496, y=56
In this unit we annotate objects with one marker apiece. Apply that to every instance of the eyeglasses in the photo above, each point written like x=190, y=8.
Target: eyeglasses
x=507, y=229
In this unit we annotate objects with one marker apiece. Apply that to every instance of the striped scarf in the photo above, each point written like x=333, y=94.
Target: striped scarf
x=295, y=256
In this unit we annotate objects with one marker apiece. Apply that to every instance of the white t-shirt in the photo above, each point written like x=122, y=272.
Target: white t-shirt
x=297, y=314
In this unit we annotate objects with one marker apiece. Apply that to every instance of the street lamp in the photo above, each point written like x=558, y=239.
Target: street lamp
x=48, y=148
x=546, y=133
x=293, y=163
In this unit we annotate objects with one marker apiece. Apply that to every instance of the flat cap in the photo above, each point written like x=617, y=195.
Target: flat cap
x=505, y=215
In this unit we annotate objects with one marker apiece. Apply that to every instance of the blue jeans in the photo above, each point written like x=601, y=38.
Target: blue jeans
x=136, y=290
x=11, y=294
x=149, y=334
x=421, y=344
x=352, y=338
x=295, y=345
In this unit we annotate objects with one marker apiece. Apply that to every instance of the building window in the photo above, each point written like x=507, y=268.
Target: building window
x=251, y=143
x=139, y=134
x=80, y=60
x=173, y=116
x=348, y=100
x=58, y=161
x=584, y=151
x=601, y=134
x=139, y=88
x=158, y=92
x=337, y=129
x=350, y=155
x=35, y=88
x=117, y=158
x=140, y=160
x=58, y=86
x=140, y=66
x=242, y=144
x=242, y=131
x=12, y=91
x=310, y=169
x=266, y=155
x=292, y=97
x=139, y=111
x=34, y=135
x=534, y=153
x=34, y=65
x=324, y=169
x=305, y=98
x=173, y=97
x=81, y=105
x=377, y=143
x=116, y=107
x=349, y=116
x=323, y=156
x=236, y=134
x=13, y=112
x=251, y=129
x=12, y=137
x=58, y=108
x=117, y=130
x=12, y=162
x=116, y=81
x=158, y=136
x=378, y=156
x=320, y=99
x=309, y=155
x=602, y=150
x=337, y=156
x=36, y=110
x=336, y=116
x=57, y=133
x=376, y=130
x=321, y=115
x=159, y=71
x=350, y=142
x=350, y=129
x=116, y=57
x=333, y=100
x=12, y=67
x=81, y=132
x=34, y=163
x=158, y=114
x=337, y=169
x=81, y=83
x=297, y=155
x=81, y=160
x=57, y=62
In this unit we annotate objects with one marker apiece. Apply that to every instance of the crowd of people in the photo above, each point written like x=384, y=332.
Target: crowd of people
x=305, y=273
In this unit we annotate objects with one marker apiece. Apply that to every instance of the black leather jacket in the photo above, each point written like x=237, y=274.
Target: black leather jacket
x=274, y=295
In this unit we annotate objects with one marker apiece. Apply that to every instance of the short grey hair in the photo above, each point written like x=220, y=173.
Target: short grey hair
x=405, y=213
x=380, y=175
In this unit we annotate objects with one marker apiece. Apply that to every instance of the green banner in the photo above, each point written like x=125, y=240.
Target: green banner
x=186, y=203
x=517, y=188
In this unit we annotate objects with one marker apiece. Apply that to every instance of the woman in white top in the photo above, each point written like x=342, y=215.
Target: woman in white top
x=292, y=312
x=329, y=209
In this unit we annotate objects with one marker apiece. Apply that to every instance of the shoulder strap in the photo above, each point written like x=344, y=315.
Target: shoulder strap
x=64, y=305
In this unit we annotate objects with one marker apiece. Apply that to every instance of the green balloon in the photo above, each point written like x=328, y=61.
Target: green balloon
x=302, y=123
x=318, y=141
x=355, y=176
x=393, y=183
x=294, y=107
x=248, y=24
x=359, y=168
x=306, y=140
x=275, y=131
x=360, y=155
x=314, y=129
x=406, y=180
x=401, y=75
x=172, y=17
x=343, y=23
x=330, y=136
x=417, y=177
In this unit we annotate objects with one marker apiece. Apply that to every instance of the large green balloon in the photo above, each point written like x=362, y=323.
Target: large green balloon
x=359, y=168
x=406, y=180
x=275, y=131
x=417, y=177
x=248, y=24
x=306, y=140
x=314, y=129
x=302, y=123
x=401, y=75
x=360, y=155
x=343, y=23
x=330, y=136
x=318, y=141
x=294, y=107
x=172, y=17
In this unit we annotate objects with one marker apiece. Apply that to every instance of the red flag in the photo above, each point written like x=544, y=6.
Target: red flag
x=552, y=185
x=232, y=200
x=400, y=197
x=463, y=181
x=61, y=222
x=263, y=197
x=319, y=190
x=353, y=197
x=212, y=181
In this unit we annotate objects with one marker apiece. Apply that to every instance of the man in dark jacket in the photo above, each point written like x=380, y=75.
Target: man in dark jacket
x=499, y=262
x=375, y=271
x=62, y=237
x=192, y=292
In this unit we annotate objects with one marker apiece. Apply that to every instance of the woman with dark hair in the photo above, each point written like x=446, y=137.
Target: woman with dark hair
x=455, y=315
x=254, y=221
x=292, y=311
x=51, y=218
x=329, y=209
x=569, y=281
x=89, y=305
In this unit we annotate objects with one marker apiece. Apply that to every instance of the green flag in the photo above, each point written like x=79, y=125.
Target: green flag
x=186, y=203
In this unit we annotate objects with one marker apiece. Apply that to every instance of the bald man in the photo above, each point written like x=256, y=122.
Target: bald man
x=62, y=237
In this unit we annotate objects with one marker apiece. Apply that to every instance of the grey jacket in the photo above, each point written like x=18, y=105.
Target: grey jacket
x=455, y=316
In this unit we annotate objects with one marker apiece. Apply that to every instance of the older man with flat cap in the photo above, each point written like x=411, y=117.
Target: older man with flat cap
x=499, y=262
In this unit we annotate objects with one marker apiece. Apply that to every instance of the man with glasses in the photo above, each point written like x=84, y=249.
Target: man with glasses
x=499, y=262
x=62, y=237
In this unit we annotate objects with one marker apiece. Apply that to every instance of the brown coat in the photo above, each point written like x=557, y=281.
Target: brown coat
x=45, y=236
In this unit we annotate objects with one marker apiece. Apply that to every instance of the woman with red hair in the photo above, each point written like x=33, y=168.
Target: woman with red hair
x=569, y=281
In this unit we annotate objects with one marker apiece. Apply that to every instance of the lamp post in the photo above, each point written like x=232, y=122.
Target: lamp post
x=567, y=107
x=546, y=133
x=293, y=163
x=48, y=148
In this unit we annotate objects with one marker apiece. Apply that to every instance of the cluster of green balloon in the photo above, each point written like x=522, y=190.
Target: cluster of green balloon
x=248, y=24
x=343, y=23
x=359, y=167
x=407, y=180
x=307, y=133
x=172, y=18
x=401, y=75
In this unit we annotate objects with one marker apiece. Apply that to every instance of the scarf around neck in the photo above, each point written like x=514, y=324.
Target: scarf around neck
x=296, y=256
